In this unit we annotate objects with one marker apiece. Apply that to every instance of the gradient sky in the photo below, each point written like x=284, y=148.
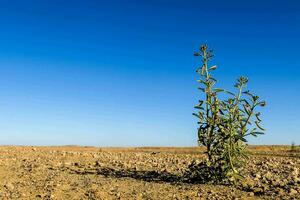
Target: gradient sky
x=123, y=73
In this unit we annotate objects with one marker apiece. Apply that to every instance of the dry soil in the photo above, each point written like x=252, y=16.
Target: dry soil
x=71, y=172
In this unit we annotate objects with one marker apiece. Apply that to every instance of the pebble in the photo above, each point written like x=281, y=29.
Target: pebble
x=293, y=191
x=9, y=186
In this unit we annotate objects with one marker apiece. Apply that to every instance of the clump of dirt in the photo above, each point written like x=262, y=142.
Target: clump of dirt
x=136, y=173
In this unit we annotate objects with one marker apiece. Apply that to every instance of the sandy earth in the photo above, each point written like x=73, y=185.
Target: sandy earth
x=138, y=173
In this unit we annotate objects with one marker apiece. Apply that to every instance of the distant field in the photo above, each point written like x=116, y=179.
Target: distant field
x=254, y=149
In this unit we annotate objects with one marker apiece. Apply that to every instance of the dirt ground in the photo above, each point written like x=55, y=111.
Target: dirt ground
x=72, y=172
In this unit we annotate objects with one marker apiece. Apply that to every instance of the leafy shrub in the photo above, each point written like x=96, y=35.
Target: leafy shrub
x=293, y=147
x=225, y=120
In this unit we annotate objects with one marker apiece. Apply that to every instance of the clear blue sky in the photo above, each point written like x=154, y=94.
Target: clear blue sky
x=123, y=73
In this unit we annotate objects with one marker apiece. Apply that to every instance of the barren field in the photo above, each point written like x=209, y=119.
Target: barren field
x=72, y=172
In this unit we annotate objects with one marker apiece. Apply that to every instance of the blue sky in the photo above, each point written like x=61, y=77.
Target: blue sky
x=122, y=73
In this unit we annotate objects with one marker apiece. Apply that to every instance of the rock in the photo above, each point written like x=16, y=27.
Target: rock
x=257, y=177
x=296, y=180
x=23, y=195
x=293, y=191
x=280, y=192
x=95, y=156
x=251, y=194
x=248, y=183
x=268, y=176
x=295, y=171
x=9, y=186
x=275, y=182
x=67, y=163
x=290, y=163
x=258, y=190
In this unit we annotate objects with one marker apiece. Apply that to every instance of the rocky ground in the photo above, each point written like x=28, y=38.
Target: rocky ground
x=138, y=173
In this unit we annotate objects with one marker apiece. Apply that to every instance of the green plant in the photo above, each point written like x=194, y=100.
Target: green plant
x=225, y=120
x=293, y=147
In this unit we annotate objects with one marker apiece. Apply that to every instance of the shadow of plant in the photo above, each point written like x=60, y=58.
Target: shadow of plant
x=196, y=173
x=149, y=176
x=203, y=173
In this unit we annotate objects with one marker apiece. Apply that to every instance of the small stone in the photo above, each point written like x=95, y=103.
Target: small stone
x=295, y=171
x=276, y=182
x=258, y=190
x=280, y=192
x=257, y=177
x=248, y=183
x=98, y=164
x=95, y=156
x=293, y=191
x=251, y=194
x=290, y=163
x=268, y=176
x=67, y=163
x=296, y=180
x=9, y=186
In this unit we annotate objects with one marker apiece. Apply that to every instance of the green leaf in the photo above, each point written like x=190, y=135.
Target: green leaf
x=244, y=119
x=200, y=116
x=228, y=92
x=248, y=93
x=246, y=110
x=257, y=124
x=244, y=100
x=197, y=54
x=203, y=70
x=257, y=133
x=213, y=67
x=257, y=117
x=241, y=110
x=220, y=110
x=255, y=98
x=213, y=79
x=218, y=90
x=262, y=104
x=201, y=81
x=253, y=134
x=199, y=107
x=200, y=102
x=202, y=89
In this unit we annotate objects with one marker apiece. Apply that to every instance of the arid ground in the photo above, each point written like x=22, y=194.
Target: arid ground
x=72, y=172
